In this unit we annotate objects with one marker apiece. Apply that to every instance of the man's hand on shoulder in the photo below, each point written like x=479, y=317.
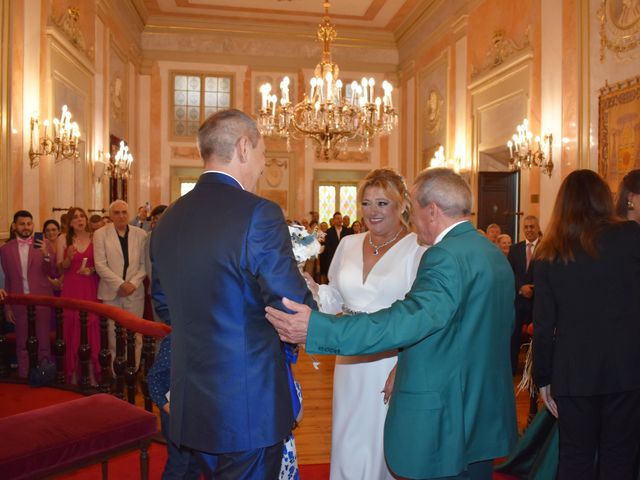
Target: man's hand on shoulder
x=291, y=327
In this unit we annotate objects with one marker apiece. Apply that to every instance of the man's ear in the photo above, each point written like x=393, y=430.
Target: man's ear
x=242, y=147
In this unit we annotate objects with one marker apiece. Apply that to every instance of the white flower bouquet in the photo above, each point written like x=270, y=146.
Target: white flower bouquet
x=305, y=245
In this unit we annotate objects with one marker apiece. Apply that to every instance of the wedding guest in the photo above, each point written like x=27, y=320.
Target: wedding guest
x=324, y=227
x=64, y=223
x=452, y=410
x=356, y=227
x=520, y=258
x=26, y=266
x=334, y=235
x=586, y=330
x=628, y=204
x=141, y=220
x=359, y=282
x=95, y=222
x=106, y=219
x=493, y=232
x=75, y=257
x=504, y=243
x=217, y=269
x=120, y=263
x=51, y=230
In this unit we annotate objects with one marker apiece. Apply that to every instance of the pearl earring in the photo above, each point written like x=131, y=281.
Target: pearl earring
x=630, y=205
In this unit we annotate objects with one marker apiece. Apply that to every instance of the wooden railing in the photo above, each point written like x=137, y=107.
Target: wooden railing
x=124, y=374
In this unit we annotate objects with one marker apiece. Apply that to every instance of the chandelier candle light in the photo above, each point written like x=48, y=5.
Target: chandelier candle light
x=440, y=161
x=65, y=141
x=120, y=167
x=527, y=151
x=328, y=115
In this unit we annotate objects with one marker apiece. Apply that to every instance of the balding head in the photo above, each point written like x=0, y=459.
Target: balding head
x=119, y=214
x=220, y=133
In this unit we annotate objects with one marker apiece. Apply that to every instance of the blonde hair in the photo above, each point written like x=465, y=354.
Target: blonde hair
x=393, y=186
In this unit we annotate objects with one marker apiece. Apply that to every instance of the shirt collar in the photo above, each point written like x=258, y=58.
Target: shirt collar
x=534, y=243
x=227, y=174
x=447, y=230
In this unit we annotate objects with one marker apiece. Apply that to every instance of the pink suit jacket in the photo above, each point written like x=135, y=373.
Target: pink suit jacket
x=37, y=270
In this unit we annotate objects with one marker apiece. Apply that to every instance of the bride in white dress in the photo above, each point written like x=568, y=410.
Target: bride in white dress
x=368, y=272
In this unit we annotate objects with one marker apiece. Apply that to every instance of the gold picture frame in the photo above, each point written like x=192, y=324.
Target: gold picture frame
x=619, y=130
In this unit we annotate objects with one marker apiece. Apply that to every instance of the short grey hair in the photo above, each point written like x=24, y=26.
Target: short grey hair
x=532, y=217
x=447, y=189
x=219, y=134
x=117, y=202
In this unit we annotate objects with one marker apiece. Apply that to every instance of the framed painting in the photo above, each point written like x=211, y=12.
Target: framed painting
x=619, y=130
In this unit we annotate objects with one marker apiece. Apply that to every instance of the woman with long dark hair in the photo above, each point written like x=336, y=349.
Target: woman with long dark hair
x=586, y=330
x=75, y=262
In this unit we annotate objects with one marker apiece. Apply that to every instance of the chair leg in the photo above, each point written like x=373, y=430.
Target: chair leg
x=144, y=462
x=105, y=470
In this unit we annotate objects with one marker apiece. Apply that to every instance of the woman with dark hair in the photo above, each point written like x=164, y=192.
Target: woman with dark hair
x=628, y=204
x=75, y=261
x=368, y=272
x=586, y=330
x=51, y=230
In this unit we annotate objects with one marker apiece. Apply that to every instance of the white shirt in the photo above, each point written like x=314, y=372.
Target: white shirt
x=224, y=173
x=23, y=250
x=447, y=230
x=533, y=244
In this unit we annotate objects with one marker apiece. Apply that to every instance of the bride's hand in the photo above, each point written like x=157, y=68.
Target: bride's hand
x=311, y=284
x=388, y=385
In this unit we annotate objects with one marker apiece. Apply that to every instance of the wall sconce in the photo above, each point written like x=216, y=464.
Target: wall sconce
x=527, y=151
x=120, y=165
x=64, y=143
x=100, y=166
x=440, y=161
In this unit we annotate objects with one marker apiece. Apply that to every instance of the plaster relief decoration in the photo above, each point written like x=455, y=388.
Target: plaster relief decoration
x=619, y=130
x=353, y=155
x=69, y=23
x=502, y=49
x=619, y=27
x=433, y=101
x=185, y=154
x=275, y=180
x=118, y=92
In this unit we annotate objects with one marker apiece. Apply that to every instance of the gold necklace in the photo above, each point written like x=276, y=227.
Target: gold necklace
x=377, y=248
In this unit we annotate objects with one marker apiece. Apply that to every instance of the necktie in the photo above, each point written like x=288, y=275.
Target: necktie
x=529, y=253
x=27, y=241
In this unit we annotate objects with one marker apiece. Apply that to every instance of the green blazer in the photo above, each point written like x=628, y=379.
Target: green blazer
x=453, y=401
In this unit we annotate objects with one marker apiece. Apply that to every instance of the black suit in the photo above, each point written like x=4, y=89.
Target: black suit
x=331, y=242
x=523, y=306
x=586, y=346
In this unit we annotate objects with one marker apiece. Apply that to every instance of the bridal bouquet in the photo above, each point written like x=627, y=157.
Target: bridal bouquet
x=305, y=245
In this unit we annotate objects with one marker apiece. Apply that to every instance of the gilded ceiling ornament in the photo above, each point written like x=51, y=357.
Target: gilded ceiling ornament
x=69, y=23
x=619, y=27
x=502, y=48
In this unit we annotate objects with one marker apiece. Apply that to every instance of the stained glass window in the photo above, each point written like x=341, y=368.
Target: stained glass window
x=196, y=97
x=327, y=200
x=348, y=201
x=336, y=197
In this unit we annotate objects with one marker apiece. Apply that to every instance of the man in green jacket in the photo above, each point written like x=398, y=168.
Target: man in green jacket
x=453, y=409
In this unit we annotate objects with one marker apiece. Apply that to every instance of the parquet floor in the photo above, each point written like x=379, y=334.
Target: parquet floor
x=313, y=436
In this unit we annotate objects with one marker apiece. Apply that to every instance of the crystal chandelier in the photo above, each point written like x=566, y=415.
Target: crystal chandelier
x=527, y=151
x=328, y=115
x=63, y=144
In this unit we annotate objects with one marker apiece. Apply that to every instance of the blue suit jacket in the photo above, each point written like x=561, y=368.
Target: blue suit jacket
x=220, y=255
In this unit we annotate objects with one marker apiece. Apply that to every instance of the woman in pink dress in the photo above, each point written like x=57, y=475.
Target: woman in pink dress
x=75, y=261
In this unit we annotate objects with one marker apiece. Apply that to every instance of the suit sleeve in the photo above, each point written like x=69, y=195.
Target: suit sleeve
x=157, y=294
x=270, y=258
x=544, y=324
x=429, y=307
x=140, y=242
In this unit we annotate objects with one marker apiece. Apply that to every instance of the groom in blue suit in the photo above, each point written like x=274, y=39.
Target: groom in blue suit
x=220, y=255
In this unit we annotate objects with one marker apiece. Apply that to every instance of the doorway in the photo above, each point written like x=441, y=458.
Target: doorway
x=498, y=194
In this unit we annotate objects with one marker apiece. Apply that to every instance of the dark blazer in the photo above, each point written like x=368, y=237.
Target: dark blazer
x=523, y=276
x=452, y=401
x=331, y=242
x=587, y=318
x=220, y=255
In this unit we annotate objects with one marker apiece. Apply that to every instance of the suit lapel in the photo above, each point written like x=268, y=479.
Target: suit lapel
x=115, y=240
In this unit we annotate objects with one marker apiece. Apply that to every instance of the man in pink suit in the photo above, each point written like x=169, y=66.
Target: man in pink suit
x=26, y=268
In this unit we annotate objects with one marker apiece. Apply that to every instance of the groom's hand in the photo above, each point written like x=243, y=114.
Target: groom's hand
x=291, y=327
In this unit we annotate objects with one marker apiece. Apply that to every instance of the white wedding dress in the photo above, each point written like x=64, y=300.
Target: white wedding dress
x=358, y=408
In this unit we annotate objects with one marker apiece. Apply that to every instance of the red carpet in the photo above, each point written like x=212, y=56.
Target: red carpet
x=20, y=398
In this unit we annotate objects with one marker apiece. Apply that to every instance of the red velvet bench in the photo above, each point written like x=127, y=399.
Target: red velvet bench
x=74, y=434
